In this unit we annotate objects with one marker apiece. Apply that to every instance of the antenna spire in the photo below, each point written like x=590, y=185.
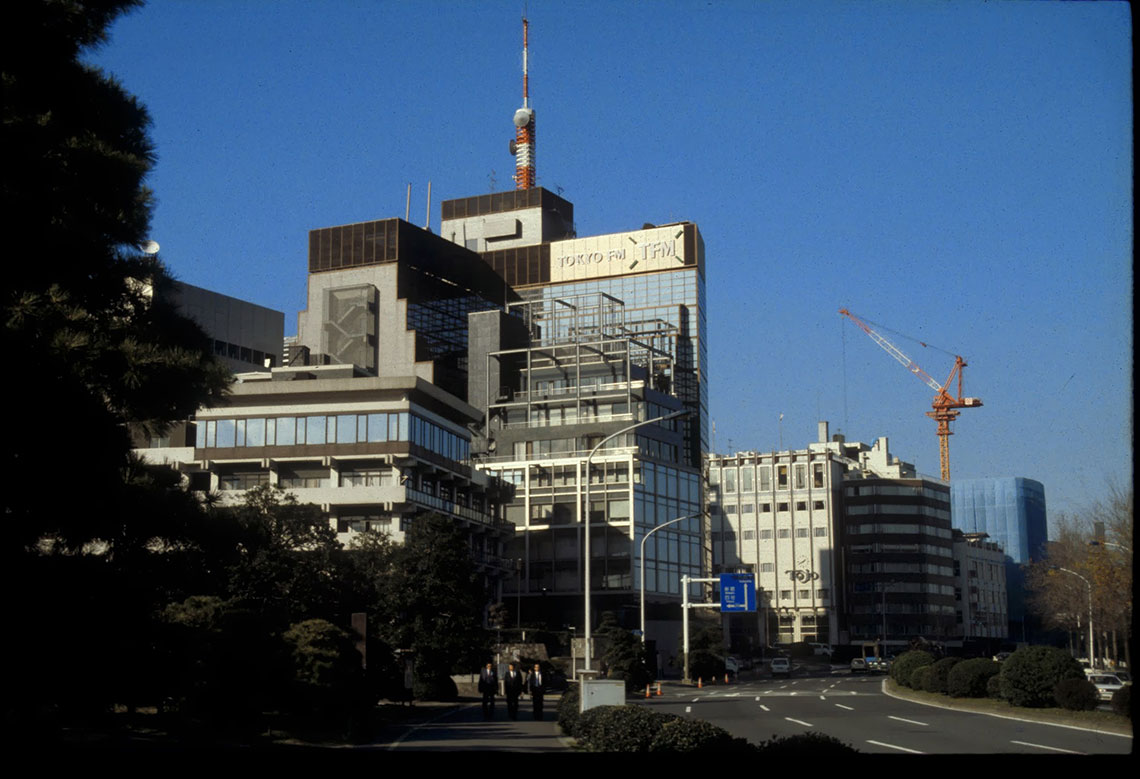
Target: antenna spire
x=522, y=147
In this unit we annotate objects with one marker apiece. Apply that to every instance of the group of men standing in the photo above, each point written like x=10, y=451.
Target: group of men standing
x=514, y=685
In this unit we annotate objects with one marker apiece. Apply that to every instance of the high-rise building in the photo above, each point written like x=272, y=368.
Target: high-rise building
x=557, y=380
x=779, y=515
x=982, y=599
x=1011, y=511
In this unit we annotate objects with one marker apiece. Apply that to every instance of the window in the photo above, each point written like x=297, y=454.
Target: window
x=817, y=475
x=801, y=532
x=767, y=567
x=821, y=532
x=765, y=508
x=801, y=505
x=821, y=594
x=785, y=595
x=784, y=533
x=765, y=535
x=782, y=476
x=801, y=477
x=765, y=477
x=805, y=594
x=781, y=507
x=817, y=505
x=749, y=535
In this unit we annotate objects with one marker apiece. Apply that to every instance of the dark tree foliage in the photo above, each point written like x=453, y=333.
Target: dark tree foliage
x=93, y=353
x=624, y=656
x=436, y=599
x=706, y=653
x=1029, y=675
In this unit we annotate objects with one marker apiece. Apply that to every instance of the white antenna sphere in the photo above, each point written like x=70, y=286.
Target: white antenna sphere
x=523, y=117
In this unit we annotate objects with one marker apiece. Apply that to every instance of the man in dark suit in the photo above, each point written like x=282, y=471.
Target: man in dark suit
x=534, y=684
x=489, y=686
x=512, y=689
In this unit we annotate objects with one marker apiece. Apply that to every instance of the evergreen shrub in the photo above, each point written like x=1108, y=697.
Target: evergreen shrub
x=922, y=678
x=906, y=663
x=1029, y=675
x=696, y=735
x=620, y=728
x=968, y=679
x=568, y=710
x=1076, y=694
x=812, y=743
x=940, y=673
x=1122, y=701
x=993, y=686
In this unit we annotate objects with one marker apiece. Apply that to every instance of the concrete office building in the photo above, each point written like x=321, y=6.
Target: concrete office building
x=556, y=378
x=528, y=237
x=898, y=560
x=368, y=421
x=980, y=592
x=779, y=515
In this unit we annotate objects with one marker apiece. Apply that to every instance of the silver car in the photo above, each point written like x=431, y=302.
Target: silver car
x=1106, y=684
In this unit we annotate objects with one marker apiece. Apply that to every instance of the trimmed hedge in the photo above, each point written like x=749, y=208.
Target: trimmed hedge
x=1029, y=675
x=968, y=679
x=812, y=743
x=907, y=662
x=568, y=710
x=922, y=677
x=940, y=673
x=993, y=686
x=1122, y=701
x=696, y=735
x=1076, y=695
x=620, y=728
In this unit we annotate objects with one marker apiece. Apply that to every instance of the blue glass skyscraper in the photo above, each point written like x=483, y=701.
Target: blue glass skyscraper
x=1011, y=509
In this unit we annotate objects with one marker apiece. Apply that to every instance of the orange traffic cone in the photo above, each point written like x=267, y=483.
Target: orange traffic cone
x=647, y=690
x=658, y=688
x=700, y=683
x=726, y=677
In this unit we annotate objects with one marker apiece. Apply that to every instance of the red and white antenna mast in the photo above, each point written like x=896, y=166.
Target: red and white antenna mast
x=523, y=145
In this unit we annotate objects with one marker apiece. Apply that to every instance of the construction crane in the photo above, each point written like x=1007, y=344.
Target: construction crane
x=945, y=405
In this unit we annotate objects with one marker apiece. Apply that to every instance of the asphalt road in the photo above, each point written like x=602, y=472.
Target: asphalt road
x=855, y=710
x=462, y=728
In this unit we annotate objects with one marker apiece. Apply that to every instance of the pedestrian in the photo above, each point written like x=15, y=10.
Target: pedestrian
x=488, y=686
x=534, y=687
x=512, y=689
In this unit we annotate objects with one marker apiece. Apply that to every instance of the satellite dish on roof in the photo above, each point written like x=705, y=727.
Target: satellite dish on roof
x=150, y=247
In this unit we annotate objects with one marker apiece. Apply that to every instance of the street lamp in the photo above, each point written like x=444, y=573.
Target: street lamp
x=1092, y=662
x=643, y=540
x=586, y=515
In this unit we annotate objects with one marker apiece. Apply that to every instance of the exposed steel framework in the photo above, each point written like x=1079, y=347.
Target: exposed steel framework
x=945, y=405
x=522, y=147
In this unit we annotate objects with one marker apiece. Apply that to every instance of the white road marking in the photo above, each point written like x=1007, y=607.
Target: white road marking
x=840, y=705
x=688, y=709
x=695, y=700
x=794, y=694
x=892, y=746
x=757, y=697
x=823, y=697
x=800, y=722
x=911, y=721
x=765, y=708
x=1042, y=746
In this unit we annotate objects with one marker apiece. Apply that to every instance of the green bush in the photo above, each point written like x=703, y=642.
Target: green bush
x=812, y=743
x=993, y=686
x=439, y=687
x=1122, y=701
x=1029, y=675
x=907, y=662
x=695, y=735
x=922, y=677
x=620, y=728
x=568, y=710
x=1076, y=694
x=940, y=674
x=968, y=679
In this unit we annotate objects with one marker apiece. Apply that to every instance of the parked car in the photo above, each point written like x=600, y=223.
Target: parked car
x=1106, y=684
x=1000, y=657
x=731, y=666
x=858, y=665
x=821, y=649
x=781, y=665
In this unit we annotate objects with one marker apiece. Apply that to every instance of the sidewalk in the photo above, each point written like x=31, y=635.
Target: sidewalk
x=459, y=726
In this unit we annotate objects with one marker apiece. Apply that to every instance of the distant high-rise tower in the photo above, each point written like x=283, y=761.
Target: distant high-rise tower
x=522, y=147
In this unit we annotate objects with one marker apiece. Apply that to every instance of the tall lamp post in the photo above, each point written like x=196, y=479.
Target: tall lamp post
x=643, y=540
x=1092, y=662
x=586, y=517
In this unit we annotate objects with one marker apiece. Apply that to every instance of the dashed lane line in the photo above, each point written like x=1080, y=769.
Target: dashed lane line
x=1042, y=746
x=894, y=746
x=911, y=721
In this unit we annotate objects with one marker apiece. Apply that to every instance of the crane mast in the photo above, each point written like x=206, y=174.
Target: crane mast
x=944, y=406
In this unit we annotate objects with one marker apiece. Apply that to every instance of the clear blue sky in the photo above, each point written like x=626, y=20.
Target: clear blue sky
x=960, y=172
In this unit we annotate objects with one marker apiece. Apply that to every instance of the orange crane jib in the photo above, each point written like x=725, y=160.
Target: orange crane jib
x=945, y=406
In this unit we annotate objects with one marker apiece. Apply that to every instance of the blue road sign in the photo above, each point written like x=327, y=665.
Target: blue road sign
x=737, y=592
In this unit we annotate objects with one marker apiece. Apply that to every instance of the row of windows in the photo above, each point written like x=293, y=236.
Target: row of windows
x=926, y=568
x=245, y=354
x=930, y=549
x=762, y=475
x=900, y=608
x=766, y=508
x=894, y=508
x=319, y=430
x=926, y=530
x=891, y=489
x=804, y=594
x=766, y=535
